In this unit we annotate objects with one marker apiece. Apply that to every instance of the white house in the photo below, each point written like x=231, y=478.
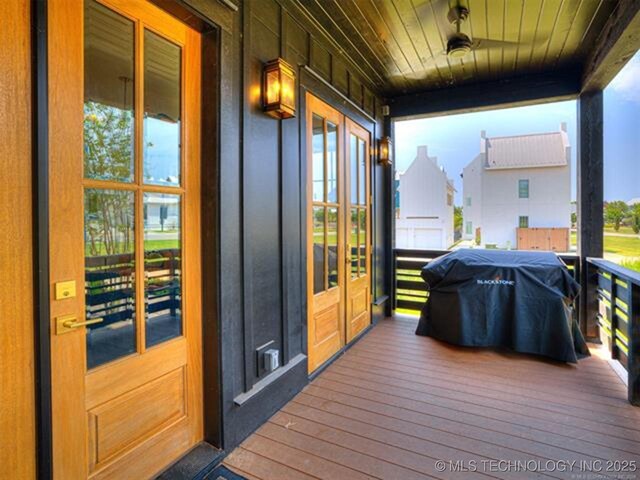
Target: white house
x=518, y=181
x=425, y=217
x=161, y=211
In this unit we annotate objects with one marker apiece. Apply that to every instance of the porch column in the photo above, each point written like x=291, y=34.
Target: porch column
x=390, y=225
x=590, y=202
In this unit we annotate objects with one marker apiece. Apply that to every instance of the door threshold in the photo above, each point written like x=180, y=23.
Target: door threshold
x=196, y=464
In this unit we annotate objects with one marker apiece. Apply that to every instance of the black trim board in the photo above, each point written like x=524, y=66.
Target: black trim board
x=42, y=349
x=210, y=180
x=508, y=92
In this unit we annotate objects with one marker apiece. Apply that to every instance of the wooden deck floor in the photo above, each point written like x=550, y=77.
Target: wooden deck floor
x=395, y=403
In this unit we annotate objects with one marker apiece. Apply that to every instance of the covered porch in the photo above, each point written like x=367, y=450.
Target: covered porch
x=395, y=404
x=285, y=238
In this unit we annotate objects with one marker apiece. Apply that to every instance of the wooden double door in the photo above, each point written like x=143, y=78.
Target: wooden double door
x=338, y=230
x=124, y=235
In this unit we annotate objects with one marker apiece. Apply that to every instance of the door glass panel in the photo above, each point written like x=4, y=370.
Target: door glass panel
x=318, y=249
x=362, y=243
x=332, y=244
x=318, y=159
x=161, y=164
x=362, y=178
x=162, y=267
x=353, y=160
x=108, y=94
x=332, y=163
x=353, y=242
x=109, y=274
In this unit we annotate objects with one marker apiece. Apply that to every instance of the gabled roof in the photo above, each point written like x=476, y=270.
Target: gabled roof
x=527, y=151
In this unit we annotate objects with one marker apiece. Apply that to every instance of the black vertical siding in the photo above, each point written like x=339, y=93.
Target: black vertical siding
x=262, y=202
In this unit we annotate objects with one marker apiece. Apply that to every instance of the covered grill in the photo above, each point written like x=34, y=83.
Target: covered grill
x=514, y=299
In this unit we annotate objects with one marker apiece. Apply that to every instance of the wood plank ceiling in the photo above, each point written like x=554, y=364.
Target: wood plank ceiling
x=400, y=45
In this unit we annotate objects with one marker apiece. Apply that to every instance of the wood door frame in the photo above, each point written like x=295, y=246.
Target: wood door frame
x=336, y=117
x=352, y=126
x=50, y=73
x=211, y=49
x=323, y=106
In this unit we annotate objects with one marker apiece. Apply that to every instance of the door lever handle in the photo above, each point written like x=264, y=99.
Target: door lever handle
x=67, y=323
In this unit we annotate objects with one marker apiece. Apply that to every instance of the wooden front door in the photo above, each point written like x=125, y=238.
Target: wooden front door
x=338, y=297
x=358, y=282
x=325, y=252
x=124, y=229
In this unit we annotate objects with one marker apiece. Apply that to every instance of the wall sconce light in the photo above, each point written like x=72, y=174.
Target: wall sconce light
x=279, y=89
x=385, y=151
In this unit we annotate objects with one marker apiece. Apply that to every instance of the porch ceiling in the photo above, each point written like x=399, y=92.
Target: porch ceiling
x=399, y=44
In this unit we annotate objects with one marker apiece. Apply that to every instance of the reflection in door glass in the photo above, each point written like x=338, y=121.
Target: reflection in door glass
x=353, y=169
x=332, y=244
x=318, y=249
x=161, y=111
x=108, y=94
x=362, y=243
x=353, y=243
x=362, y=178
x=162, y=268
x=318, y=159
x=109, y=274
x=332, y=163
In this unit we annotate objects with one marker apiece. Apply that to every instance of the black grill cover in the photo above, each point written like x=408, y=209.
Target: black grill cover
x=513, y=299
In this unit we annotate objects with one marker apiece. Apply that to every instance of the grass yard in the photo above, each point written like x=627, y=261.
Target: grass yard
x=623, y=229
x=625, y=246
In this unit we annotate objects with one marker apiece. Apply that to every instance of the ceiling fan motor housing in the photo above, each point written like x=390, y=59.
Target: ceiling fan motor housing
x=458, y=45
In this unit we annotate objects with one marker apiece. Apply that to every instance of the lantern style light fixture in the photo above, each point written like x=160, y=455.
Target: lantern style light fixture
x=279, y=89
x=385, y=151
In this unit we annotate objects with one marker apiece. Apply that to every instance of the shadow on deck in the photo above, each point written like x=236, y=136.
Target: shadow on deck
x=395, y=403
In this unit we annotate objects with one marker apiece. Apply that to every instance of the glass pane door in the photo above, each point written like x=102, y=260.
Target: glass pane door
x=326, y=204
x=133, y=198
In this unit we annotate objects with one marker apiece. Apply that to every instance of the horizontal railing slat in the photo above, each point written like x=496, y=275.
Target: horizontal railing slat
x=618, y=317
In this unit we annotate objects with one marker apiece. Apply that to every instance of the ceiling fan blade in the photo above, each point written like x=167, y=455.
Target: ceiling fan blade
x=481, y=43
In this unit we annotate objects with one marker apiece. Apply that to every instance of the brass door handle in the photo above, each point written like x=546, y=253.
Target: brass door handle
x=67, y=323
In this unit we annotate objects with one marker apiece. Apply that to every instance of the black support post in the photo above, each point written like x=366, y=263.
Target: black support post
x=389, y=231
x=590, y=202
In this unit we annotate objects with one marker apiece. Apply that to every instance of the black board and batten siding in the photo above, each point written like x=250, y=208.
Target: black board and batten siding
x=261, y=246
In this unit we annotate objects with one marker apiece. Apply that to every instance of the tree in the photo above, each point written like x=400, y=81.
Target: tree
x=615, y=212
x=457, y=219
x=634, y=218
x=108, y=155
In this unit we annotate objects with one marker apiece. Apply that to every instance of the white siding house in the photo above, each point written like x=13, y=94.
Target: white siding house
x=425, y=216
x=518, y=181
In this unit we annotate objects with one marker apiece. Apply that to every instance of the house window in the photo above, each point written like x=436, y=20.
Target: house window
x=523, y=188
x=523, y=222
x=469, y=228
x=468, y=201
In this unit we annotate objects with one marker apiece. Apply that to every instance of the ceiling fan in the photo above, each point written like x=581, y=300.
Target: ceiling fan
x=459, y=43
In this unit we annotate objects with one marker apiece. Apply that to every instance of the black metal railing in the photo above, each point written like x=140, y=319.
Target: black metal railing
x=110, y=282
x=410, y=291
x=618, y=317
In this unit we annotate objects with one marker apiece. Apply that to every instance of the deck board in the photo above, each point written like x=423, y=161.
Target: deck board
x=395, y=403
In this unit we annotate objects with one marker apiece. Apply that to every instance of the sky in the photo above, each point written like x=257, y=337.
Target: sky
x=455, y=139
x=622, y=134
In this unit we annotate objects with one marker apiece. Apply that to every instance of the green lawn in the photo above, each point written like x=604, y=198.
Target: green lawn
x=625, y=246
x=623, y=229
